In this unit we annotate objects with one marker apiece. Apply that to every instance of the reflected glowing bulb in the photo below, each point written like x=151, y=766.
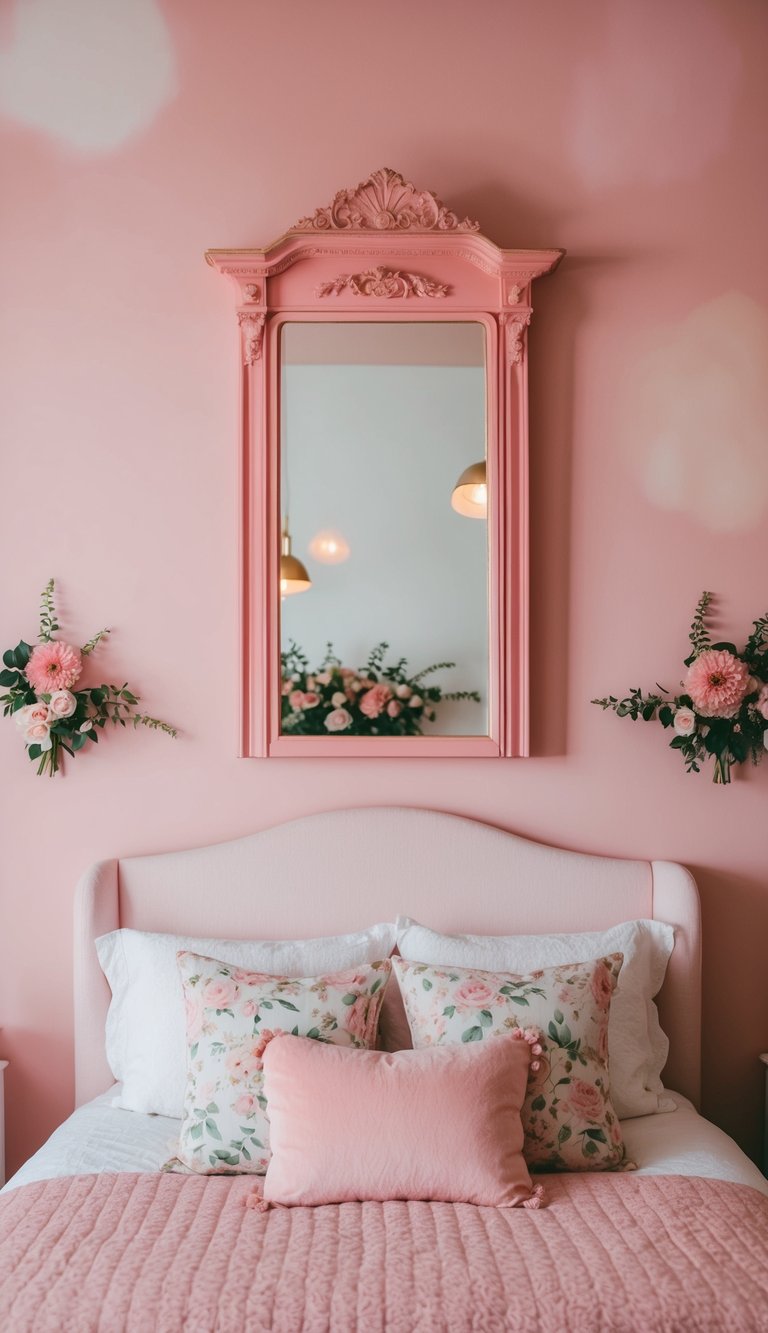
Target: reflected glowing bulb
x=329, y=547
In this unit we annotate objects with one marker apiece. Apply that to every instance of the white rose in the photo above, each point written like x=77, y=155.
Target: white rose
x=338, y=699
x=684, y=722
x=37, y=712
x=86, y=726
x=403, y=691
x=62, y=703
x=415, y=701
x=39, y=733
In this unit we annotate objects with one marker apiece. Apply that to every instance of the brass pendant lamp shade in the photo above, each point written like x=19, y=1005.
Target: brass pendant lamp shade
x=293, y=575
x=470, y=494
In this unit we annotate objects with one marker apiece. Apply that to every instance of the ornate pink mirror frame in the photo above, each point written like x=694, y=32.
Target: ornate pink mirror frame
x=387, y=251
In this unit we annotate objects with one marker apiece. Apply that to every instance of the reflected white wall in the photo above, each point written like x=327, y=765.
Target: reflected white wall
x=374, y=452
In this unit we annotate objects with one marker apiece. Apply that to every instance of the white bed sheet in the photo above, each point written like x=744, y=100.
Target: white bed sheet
x=99, y=1137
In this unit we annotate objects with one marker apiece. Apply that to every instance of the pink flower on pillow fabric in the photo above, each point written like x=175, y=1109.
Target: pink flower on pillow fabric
x=569, y=1120
x=231, y=1015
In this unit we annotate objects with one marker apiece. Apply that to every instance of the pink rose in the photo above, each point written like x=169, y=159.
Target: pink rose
x=62, y=703
x=346, y=980
x=219, y=993
x=616, y=1133
x=394, y=709
x=244, y=1104
x=339, y=699
x=37, y=712
x=474, y=994
x=357, y=1020
x=323, y=677
x=585, y=1100
x=762, y=702
x=602, y=985
x=244, y=1060
x=403, y=691
x=375, y=700
x=296, y=699
x=415, y=701
x=602, y=1043
x=310, y=699
x=194, y=1012
x=286, y=687
x=248, y=1009
x=338, y=720
x=39, y=733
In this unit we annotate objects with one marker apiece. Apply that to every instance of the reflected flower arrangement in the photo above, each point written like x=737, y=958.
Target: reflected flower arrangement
x=373, y=700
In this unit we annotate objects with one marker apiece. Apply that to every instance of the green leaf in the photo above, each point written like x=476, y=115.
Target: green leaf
x=538, y=1103
x=552, y=1030
x=9, y=678
x=287, y=1005
x=213, y=1129
x=558, y=1016
x=449, y=1011
x=34, y=751
x=348, y=999
x=314, y=1033
x=196, y=1132
x=590, y=1148
x=596, y=1134
x=426, y=984
x=78, y=740
x=486, y=1017
x=212, y=1109
x=472, y=1034
x=21, y=654
x=563, y=1134
x=9, y=657
x=519, y=999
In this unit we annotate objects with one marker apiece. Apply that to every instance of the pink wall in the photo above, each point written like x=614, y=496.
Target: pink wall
x=632, y=135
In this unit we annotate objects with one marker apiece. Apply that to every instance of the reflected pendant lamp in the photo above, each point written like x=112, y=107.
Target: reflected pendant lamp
x=293, y=575
x=470, y=494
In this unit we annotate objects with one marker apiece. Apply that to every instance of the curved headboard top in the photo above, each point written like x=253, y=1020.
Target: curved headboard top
x=339, y=871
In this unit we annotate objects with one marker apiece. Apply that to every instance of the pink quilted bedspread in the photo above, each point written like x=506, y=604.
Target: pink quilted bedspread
x=161, y=1253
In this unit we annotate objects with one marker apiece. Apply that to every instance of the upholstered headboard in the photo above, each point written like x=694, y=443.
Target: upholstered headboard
x=336, y=872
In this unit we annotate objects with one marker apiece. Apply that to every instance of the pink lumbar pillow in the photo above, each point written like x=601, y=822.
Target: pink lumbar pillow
x=442, y=1123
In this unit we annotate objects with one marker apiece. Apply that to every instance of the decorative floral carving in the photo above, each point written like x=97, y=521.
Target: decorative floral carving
x=253, y=335
x=385, y=202
x=383, y=282
x=514, y=295
x=515, y=330
x=253, y=291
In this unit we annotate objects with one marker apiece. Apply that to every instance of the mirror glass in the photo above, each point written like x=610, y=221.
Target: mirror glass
x=384, y=626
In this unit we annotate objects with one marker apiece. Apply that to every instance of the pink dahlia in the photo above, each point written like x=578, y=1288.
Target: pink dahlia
x=53, y=666
x=717, y=682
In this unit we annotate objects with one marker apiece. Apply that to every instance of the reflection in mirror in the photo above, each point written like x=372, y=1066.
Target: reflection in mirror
x=378, y=421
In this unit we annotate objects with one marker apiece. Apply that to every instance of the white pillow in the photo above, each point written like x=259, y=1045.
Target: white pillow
x=637, y=1047
x=146, y=1029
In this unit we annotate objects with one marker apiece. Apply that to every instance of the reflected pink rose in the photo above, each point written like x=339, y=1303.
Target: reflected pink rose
x=310, y=699
x=338, y=720
x=474, y=992
x=585, y=1100
x=219, y=993
x=346, y=980
x=761, y=704
x=394, y=709
x=296, y=699
x=375, y=700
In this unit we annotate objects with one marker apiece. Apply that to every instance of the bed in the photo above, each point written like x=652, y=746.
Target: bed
x=94, y=1236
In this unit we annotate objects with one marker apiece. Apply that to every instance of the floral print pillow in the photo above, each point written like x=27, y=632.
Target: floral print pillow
x=231, y=1015
x=568, y=1118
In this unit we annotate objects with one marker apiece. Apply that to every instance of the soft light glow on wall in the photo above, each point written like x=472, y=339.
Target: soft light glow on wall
x=329, y=547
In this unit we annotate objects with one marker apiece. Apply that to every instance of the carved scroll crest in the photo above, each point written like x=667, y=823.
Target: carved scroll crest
x=252, y=326
x=515, y=331
x=383, y=282
x=385, y=202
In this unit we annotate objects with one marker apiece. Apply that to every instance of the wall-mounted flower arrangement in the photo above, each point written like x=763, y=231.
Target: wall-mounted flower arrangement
x=722, y=708
x=53, y=716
